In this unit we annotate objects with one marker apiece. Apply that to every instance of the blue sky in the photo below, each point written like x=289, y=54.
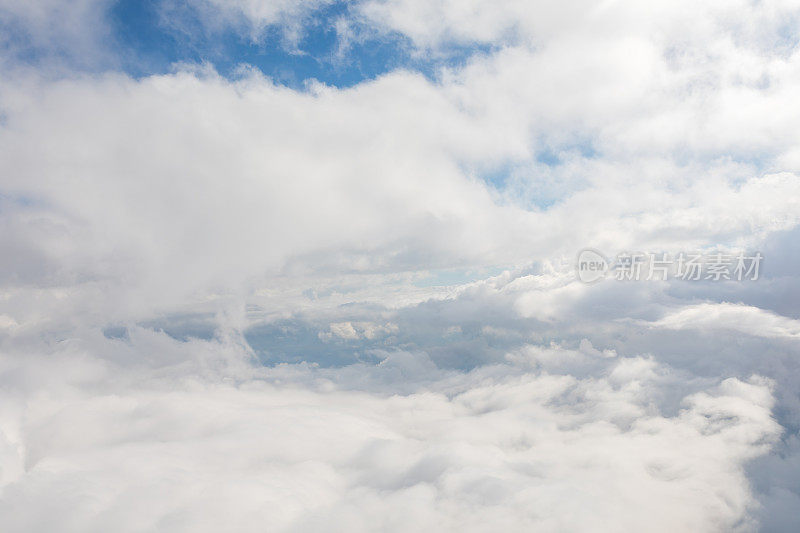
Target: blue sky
x=146, y=45
x=149, y=37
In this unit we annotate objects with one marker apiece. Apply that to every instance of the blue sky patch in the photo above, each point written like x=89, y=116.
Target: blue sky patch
x=144, y=44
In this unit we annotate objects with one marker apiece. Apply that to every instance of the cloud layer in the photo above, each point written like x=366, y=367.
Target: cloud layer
x=230, y=304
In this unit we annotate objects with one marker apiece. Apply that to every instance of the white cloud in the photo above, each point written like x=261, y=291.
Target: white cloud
x=523, y=401
x=735, y=317
x=133, y=446
x=251, y=17
x=58, y=30
x=358, y=330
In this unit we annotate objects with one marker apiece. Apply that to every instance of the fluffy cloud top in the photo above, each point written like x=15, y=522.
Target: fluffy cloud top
x=135, y=446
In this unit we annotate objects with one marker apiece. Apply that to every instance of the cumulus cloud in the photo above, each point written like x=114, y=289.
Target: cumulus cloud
x=206, y=441
x=229, y=304
x=746, y=319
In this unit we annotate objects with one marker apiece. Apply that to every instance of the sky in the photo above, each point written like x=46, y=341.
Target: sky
x=316, y=265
